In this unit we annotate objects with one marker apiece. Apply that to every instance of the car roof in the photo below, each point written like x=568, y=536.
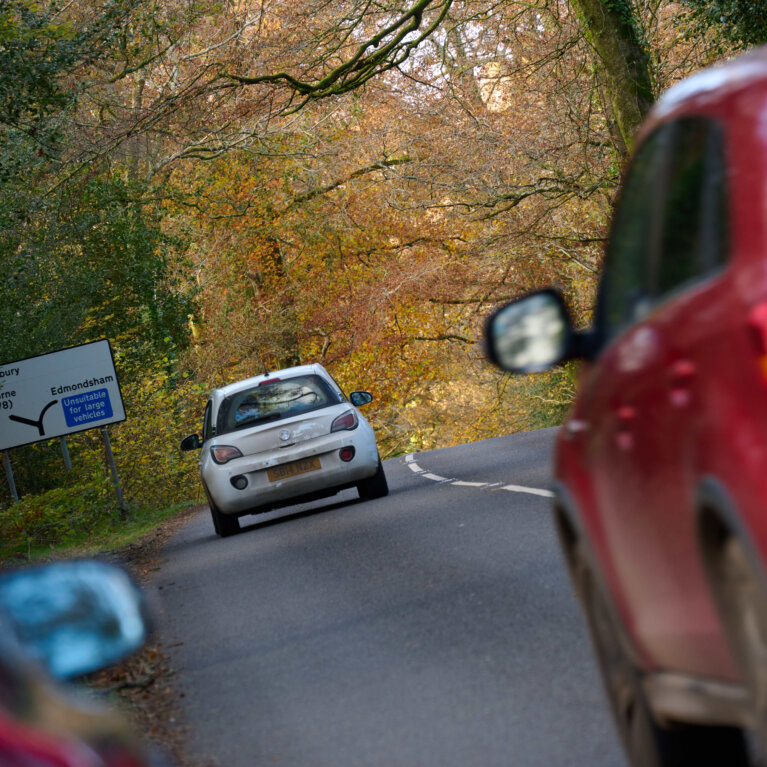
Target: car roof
x=703, y=91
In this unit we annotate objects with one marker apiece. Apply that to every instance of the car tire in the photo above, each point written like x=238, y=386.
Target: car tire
x=743, y=605
x=375, y=486
x=645, y=741
x=224, y=524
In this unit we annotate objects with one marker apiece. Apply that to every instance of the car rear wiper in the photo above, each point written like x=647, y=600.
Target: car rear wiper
x=259, y=419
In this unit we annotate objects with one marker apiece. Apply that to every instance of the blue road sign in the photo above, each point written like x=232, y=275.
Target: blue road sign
x=89, y=407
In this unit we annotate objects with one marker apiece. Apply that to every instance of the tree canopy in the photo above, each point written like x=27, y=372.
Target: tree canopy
x=221, y=188
x=742, y=23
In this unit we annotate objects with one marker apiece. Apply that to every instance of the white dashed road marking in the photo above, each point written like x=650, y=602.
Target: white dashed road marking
x=413, y=466
x=530, y=490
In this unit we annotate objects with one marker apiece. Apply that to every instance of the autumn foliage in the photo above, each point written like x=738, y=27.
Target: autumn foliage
x=258, y=185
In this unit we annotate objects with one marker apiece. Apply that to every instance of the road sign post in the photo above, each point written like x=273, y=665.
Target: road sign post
x=9, y=477
x=65, y=453
x=113, y=467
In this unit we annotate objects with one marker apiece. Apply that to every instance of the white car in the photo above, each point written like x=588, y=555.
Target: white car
x=281, y=438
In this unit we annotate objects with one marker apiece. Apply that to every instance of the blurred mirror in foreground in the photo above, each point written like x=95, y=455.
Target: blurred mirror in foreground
x=74, y=617
x=530, y=334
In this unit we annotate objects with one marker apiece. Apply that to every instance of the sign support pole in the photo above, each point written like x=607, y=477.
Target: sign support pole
x=9, y=475
x=113, y=467
x=65, y=453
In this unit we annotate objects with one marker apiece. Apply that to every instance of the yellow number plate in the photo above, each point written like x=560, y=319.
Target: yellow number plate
x=291, y=469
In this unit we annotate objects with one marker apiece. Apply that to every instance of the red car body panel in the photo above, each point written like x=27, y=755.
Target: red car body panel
x=24, y=746
x=678, y=397
x=27, y=745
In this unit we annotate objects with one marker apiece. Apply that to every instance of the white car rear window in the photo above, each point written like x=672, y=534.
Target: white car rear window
x=274, y=399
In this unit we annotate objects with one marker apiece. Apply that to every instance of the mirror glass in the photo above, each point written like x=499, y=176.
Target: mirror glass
x=358, y=398
x=74, y=617
x=192, y=442
x=530, y=334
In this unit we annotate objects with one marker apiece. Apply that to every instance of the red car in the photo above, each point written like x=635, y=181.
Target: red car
x=661, y=467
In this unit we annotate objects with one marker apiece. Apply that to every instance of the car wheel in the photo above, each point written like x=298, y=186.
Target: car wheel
x=214, y=517
x=646, y=742
x=743, y=603
x=224, y=524
x=375, y=486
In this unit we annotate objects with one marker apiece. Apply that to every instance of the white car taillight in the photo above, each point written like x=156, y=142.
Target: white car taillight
x=348, y=420
x=224, y=453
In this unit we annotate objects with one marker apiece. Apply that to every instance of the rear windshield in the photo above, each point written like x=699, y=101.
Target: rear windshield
x=273, y=400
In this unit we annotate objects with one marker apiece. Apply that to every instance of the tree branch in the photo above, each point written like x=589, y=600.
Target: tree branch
x=381, y=165
x=371, y=58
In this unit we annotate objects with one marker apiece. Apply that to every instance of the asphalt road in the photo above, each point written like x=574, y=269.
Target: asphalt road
x=433, y=627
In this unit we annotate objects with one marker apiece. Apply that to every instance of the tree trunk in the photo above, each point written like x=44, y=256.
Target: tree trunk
x=287, y=349
x=611, y=29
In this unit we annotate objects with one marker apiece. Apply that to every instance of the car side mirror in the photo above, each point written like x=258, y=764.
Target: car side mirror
x=359, y=398
x=192, y=442
x=74, y=617
x=531, y=334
